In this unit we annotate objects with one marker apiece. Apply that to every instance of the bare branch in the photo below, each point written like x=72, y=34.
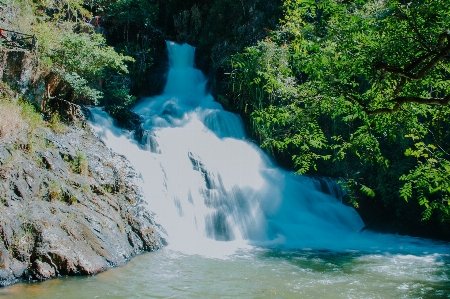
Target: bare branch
x=419, y=60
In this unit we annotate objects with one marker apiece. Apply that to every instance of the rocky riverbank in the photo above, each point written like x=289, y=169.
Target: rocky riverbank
x=68, y=206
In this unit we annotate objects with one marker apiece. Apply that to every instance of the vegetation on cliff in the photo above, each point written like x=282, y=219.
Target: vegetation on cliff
x=69, y=47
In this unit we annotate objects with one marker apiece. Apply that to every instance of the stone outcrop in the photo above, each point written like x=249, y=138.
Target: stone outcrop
x=46, y=89
x=18, y=68
x=68, y=206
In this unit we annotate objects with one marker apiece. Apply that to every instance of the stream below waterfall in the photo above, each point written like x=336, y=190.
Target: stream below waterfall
x=257, y=273
x=236, y=225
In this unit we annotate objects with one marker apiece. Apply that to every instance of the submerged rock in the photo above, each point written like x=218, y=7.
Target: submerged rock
x=68, y=206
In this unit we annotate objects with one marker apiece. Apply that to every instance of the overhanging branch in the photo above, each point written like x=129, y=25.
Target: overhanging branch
x=399, y=101
x=444, y=47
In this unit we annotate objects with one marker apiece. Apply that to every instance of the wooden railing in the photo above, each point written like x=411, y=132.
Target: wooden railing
x=14, y=39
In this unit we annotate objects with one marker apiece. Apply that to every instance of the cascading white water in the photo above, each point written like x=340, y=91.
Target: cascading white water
x=208, y=184
x=215, y=192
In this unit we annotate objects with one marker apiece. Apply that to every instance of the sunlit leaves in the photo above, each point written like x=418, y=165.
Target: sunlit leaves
x=81, y=88
x=82, y=58
x=88, y=55
x=430, y=179
x=368, y=191
x=347, y=81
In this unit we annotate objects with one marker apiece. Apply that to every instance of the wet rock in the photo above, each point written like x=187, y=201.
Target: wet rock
x=17, y=268
x=69, y=256
x=43, y=270
x=198, y=165
x=147, y=140
x=6, y=278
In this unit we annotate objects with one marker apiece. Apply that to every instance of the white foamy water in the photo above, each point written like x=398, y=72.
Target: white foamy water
x=214, y=191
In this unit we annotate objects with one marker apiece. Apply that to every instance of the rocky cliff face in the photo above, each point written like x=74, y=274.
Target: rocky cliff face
x=68, y=206
x=18, y=68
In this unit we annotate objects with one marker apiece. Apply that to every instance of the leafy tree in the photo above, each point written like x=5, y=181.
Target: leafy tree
x=356, y=82
x=83, y=58
x=266, y=86
x=88, y=55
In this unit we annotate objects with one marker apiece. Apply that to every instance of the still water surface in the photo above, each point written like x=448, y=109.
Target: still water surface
x=257, y=273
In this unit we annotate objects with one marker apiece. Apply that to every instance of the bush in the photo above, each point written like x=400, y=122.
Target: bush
x=87, y=55
x=80, y=164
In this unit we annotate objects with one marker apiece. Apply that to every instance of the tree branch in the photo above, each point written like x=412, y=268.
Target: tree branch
x=399, y=101
x=444, y=51
x=48, y=92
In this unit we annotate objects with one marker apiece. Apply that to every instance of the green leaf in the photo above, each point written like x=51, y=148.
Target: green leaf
x=366, y=190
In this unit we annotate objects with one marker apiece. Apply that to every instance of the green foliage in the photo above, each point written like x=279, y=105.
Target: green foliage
x=143, y=60
x=88, y=55
x=264, y=83
x=139, y=12
x=30, y=114
x=119, y=100
x=100, y=5
x=366, y=190
x=346, y=81
x=72, y=199
x=83, y=58
x=54, y=191
x=81, y=88
x=62, y=9
x=80, y=164
x=349, y=186
x=117, y=92
x=430, y=180
x=56, y=125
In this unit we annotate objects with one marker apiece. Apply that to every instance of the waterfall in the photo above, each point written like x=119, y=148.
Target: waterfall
x=211, y=188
